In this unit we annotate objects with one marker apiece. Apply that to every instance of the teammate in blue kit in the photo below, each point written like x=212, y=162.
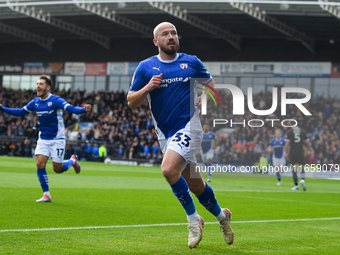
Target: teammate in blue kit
x=51, y=141
x=207, y=148
x=164, y=80
x=277, y=146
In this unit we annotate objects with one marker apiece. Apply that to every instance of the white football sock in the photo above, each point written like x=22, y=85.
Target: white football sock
x=47, y=193
x=221, y=216
x=193, y=217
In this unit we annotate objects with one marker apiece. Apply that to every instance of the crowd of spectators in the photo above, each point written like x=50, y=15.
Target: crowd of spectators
x=131, y=134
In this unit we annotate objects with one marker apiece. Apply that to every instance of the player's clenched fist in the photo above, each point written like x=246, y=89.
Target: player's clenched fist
x=155, y=81
x=87, y=107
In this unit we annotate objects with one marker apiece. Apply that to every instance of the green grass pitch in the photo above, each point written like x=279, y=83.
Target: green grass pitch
x=267, y=219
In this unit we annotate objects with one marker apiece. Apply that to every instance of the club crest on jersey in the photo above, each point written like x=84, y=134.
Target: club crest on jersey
x=49, y=104
x=184, y=66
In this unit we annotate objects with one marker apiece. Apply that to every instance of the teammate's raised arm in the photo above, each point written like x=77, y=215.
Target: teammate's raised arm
x=14, y=111
x=73, y=109
x=77, y=109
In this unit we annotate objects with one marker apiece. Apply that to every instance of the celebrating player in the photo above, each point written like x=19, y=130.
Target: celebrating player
x=296, y=139
x=277, y=146
x=165, y=81
x=207, y=148
x=51, y=142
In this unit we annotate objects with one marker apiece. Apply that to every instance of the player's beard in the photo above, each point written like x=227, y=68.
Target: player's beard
x=43, y=93
x=170, y=51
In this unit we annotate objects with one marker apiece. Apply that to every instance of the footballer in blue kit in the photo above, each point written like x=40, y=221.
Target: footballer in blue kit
x=51, y=141
x=164, y=80
x=277, y=146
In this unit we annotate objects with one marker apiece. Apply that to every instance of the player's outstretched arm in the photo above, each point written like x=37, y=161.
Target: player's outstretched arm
x=78, y=110
x=136, y=98
x=13, y=111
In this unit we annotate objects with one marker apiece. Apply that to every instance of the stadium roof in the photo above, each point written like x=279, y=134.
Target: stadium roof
x=47, y=22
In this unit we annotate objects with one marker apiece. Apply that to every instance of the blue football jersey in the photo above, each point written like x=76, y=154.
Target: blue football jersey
x=207, y=142
x=279, y=146
x=50, y=116
x=172, y=104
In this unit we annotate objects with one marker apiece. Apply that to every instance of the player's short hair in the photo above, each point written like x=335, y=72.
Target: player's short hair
x=47, y=80
x=278, y=130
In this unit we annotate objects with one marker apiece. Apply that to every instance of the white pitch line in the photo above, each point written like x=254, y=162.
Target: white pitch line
x=159, y=225
x=287, y=200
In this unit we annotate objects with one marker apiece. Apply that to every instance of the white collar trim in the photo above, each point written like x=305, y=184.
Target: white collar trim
x=167, y=61
x=49, y=95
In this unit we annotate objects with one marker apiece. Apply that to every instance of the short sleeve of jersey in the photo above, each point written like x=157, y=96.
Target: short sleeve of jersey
x=138, y=81
x=201, y=71
x=30, y=106
x=271, y=142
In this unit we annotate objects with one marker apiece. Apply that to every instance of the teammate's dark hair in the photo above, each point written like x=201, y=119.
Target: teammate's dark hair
x=47, y=80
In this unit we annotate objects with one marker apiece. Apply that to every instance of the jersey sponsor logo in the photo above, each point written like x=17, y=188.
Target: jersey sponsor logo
x=176, y=79
x=44, y=112
x=165, y=82
x=49, y=104
x=184, y=66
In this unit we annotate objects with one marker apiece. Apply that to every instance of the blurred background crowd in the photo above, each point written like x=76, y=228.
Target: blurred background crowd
x=130, y=134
